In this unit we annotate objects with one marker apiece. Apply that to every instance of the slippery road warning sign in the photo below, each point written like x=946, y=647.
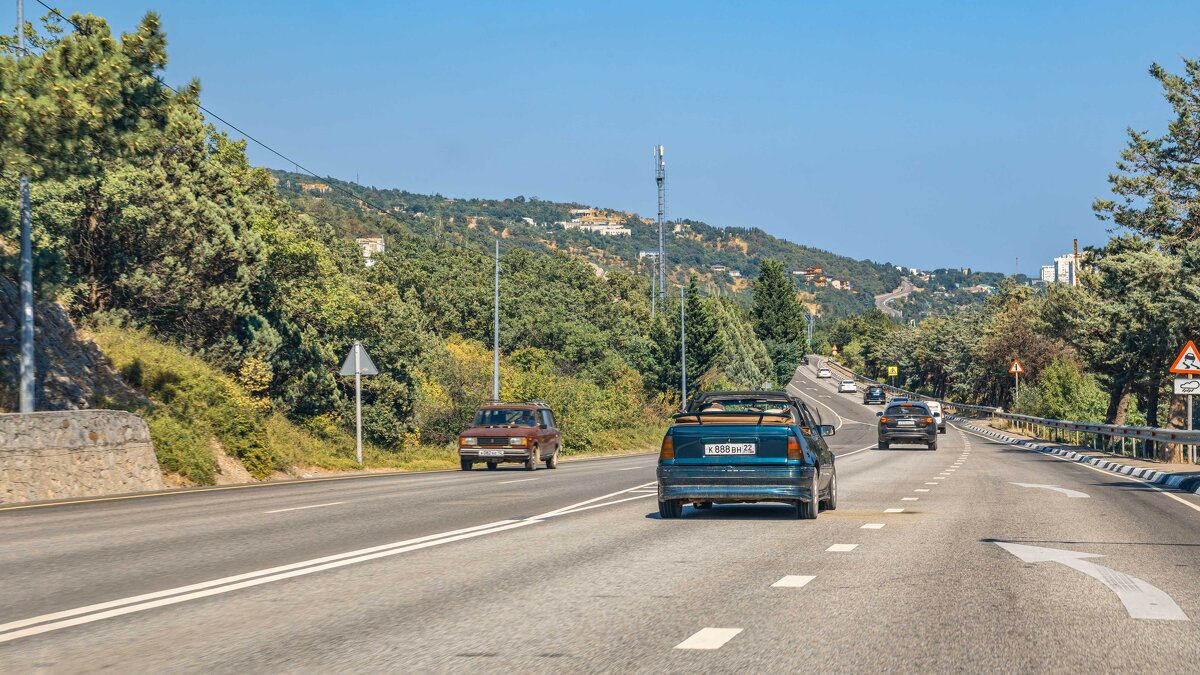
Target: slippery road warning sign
x=1188, y=361
x=1016, y=367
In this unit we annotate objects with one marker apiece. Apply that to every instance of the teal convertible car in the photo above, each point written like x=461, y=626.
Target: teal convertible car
x=746, y=446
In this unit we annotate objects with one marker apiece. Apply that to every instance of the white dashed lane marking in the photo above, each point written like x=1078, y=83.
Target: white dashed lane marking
x=893, y=510
x=872, y=526
x=909, y=499
x=793, y=581
x=709, y=638
x=841, y=548
x=921, y=490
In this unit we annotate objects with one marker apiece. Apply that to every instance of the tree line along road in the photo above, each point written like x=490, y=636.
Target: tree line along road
x=920, y=569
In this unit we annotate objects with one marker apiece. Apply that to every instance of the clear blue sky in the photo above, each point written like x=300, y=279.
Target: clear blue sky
x=925, y=133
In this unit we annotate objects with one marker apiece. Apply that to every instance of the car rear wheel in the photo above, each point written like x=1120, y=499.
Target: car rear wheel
x=831, y=502
x=464, y=464
x=552, y=461
x=883, y=445
x=491, y=466
x=808, y=510
x=941, y=430
x=671, y=508
x=933, y=444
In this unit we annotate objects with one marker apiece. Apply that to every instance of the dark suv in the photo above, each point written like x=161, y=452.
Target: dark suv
x=907, y=422
x=874, y=395
x=524, y=433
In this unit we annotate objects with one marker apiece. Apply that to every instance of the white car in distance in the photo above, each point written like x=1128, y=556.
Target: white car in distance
x=936, y=409
x=847, y=387
x=824, y=373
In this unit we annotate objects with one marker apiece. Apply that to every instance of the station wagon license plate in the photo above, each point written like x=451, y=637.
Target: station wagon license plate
x=491, y=453
x=906, y=423
x=729, y=449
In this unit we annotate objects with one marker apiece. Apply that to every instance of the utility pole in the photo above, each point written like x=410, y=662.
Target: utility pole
x=358, y=402
x=27, y=393
x=660, y=177
x=496, y=329
x=682, y=352
x=809, y=319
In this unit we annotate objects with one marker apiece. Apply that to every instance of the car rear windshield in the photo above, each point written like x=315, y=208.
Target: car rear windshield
x=504, y=417
x=876, y=390
x=747, y=405
x=906, y=409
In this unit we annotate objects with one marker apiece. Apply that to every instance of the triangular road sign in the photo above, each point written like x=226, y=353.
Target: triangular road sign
x=1188, y=361
x=365, y=365
x=1016, y=367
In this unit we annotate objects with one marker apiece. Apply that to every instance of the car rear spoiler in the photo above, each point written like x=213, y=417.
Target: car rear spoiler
x=731, y=417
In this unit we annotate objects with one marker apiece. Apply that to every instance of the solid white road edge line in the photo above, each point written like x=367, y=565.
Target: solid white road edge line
x=709, y=638
x=72, y=617
x=301, y=508
x=855, y=452
x=227, y=584
x=519, y=480
x=575, y=506
x=1072, y=462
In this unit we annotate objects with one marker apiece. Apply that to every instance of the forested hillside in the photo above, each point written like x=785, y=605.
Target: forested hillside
x=691, y=251
x=230, y=305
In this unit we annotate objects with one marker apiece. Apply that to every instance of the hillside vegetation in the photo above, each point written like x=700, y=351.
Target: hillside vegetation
x=691, y=252
x=231, y=305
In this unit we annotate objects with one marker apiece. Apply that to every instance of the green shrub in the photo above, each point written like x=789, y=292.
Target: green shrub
x=181, y=450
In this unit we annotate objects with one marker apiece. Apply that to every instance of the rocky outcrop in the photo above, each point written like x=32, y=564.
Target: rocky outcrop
x=72, y=373
x=80, y=453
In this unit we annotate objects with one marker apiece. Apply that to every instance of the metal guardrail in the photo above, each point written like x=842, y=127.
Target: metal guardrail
x=1140, y=442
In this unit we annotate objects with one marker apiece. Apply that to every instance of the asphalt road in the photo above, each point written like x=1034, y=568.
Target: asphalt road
x=882, y=301
x=572, y=570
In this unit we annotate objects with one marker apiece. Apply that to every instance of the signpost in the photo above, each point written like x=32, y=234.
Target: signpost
x=1187, y=363
x=1016, y=370
x=358, y=363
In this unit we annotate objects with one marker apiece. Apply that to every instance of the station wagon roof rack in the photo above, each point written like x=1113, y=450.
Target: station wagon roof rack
x=536, y=404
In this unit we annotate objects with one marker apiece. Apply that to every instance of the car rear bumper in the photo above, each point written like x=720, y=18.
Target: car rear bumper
x=735, y=483
x=510, y=454
x=920, y=435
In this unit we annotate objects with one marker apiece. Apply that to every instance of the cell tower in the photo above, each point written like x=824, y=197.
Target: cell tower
x=660, y=176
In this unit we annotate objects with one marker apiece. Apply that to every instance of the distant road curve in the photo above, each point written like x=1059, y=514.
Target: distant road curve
x=881, y=301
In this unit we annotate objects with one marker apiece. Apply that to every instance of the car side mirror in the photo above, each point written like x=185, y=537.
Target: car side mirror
x=879, y=413
x=543, y=426
x=826, y=429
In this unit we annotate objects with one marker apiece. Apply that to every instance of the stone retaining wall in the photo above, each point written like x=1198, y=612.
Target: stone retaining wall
x=78, y=453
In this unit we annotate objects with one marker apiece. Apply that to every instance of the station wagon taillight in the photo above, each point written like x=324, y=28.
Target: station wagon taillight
x=793, y=450
x=928, y=420
x=668, y=449
x=885, y=420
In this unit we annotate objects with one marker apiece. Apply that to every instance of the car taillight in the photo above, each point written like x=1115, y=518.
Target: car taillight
x=668, y=449
x=928, y=420
x=793, y=450
x=884, y=420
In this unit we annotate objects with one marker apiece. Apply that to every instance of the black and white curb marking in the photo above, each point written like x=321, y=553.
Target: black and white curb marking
x=1188, y=482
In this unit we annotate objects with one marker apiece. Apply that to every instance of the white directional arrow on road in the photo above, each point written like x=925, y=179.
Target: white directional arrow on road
x=1073, y=494
x=1141, y=600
